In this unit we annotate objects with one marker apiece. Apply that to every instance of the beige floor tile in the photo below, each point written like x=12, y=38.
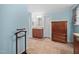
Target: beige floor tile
x=46, y=46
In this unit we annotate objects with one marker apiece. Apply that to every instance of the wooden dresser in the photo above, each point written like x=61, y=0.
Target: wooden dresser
x=59, y=31
x=37, y=33
x=76, y=43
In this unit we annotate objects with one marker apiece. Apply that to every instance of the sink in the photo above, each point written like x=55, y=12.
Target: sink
x=76, y=34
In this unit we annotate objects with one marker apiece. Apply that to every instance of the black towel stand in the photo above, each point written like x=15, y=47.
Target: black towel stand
x=17, y=37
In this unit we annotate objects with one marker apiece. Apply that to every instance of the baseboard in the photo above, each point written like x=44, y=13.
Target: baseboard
x=70, y=42
x=47, y=37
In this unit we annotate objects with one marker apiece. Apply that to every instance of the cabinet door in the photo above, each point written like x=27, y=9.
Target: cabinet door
x=55, y=27
x=76, y=45
x=60, y=26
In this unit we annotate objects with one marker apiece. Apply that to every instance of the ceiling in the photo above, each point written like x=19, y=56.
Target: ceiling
x=47, y=7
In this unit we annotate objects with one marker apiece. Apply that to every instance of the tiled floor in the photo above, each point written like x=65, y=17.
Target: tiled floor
x=46, y=46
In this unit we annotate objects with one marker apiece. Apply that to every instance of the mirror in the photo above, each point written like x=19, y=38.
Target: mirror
x=37, y=20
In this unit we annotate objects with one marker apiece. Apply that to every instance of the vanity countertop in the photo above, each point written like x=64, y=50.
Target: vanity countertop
x=37, y=27
x=76, y=34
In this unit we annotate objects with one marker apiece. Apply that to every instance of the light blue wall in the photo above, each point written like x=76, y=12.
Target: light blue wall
x=0, y=27
x=13, y=17
x=76, y=28
x=63, y=14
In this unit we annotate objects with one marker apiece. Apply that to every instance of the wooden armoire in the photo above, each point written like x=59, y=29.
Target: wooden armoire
x=59, y=31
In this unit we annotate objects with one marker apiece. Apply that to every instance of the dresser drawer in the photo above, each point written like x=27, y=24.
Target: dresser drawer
x=60, y=34
x=59, y=38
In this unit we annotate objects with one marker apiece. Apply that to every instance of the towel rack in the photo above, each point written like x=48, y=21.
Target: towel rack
x=18, y=36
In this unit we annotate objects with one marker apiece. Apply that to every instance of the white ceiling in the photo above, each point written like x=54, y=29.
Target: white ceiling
x=47, y=7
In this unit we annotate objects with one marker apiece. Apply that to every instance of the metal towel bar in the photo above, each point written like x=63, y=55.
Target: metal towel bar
x=17, y=37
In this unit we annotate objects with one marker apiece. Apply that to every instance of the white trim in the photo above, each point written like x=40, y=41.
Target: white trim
x=59, y=20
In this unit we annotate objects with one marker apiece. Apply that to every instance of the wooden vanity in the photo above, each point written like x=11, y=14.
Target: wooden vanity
x=37, y=32
x=76, y=43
